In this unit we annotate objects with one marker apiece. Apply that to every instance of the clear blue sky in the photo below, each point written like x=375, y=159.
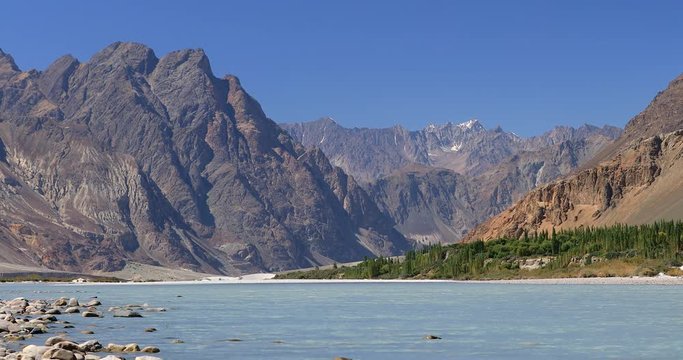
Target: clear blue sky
x=524, y=65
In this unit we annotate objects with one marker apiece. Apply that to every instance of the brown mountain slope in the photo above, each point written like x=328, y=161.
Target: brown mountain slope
x=664, y=114
x=133, y=157
x=640, y=185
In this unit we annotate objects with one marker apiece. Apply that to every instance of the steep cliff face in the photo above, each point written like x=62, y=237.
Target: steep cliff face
x=638, y=186
x=429, y=205
x=641, y=183
x=131, y=157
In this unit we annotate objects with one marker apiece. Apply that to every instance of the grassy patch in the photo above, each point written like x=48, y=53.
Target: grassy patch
x=615, y=251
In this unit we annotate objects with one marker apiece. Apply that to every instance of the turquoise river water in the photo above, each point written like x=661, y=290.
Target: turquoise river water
x=386, y=320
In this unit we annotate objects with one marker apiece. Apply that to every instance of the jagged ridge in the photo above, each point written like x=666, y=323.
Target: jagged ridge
x=439, y=182
x=132, y=157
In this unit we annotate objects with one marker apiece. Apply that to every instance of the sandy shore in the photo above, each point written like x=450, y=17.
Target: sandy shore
x=635, y=280
x=265, y=278
x=155, y=275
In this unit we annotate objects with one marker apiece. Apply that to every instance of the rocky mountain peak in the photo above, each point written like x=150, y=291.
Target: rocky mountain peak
x=195, y=58
x=128, y=157
x=261, y=133
x=561, y=134
x=327, y=121
x=241, y=101
x=54, y=82
x=7, y=65
x=137, y=57
x=472, y=125
x=664, y=114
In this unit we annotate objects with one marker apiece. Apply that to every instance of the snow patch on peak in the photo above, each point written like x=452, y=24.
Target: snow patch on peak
x=468, y=124
x=456, y=147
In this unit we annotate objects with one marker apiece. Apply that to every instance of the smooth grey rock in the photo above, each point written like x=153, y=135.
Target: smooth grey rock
x=67, y=345
x=4, y=325
x=127, y=314
x=34, y=351
x=91, y=314
x=112, y=347
x=150, y=349
x=131, y=348
x=155, y=309
x=59, y=354
x=90, y=346
x=93, y=302
x=54, y=340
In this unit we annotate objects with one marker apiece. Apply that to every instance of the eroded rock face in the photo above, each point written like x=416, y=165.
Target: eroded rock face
x=640, y=183
x=429, y=205
x=593, y=196
x=131, y=157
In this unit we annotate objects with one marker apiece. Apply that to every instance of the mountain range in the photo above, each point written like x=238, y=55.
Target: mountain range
x=133, y=158
x=439, y=182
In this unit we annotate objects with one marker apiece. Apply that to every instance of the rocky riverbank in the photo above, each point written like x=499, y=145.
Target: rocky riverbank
x=24, y=322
